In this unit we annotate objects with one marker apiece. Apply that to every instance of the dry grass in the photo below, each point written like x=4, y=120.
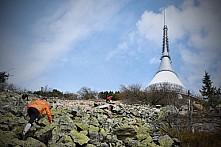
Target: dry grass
x=197, y=139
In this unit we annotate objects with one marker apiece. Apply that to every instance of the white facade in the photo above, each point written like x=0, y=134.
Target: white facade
x=166, y=77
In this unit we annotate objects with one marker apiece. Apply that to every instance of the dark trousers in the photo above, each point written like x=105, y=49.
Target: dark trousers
x=33, y=113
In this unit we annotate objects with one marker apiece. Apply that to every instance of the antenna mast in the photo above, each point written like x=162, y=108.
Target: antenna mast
x=164, y=14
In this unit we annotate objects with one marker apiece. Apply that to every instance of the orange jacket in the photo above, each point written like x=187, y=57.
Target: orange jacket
x=41, y=105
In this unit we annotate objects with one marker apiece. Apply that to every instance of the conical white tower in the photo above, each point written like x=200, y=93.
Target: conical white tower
x=165, y=73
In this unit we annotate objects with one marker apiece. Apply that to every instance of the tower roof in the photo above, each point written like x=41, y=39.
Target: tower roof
x=165, y=73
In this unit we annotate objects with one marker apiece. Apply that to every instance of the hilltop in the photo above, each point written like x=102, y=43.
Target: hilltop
x=91, y=123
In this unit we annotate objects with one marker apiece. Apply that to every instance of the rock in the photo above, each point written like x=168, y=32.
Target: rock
x=80, y=126
x=4, y=127
x=93, y=121
x=148, y=141
x=44, y=134
x=104, y=145
x=129, y=142
x=90, y=145
x=123, y=133
x=79, y=123
x=93, y=130
x=198, y=106
x=31, y=142
x=79, y=138
x=34, y=142
x=65, y=139
x=165, y=141
x=56, y=135
x=176, y=142
x=6, y=137
x=183, y=110
x=103, y=132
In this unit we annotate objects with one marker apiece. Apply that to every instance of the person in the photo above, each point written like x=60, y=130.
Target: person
x=24, y=96
x=108, y=99
x=35, y=110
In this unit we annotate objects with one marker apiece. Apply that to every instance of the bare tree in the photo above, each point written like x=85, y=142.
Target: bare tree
x=87, y=93
x=11, y=87
x=132, y=94
x=3, y=78
x=164, y=94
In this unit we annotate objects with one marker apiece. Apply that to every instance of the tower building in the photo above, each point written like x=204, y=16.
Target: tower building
x=165, y=72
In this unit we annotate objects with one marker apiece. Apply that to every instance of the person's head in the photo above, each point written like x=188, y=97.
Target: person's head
x=24, y=96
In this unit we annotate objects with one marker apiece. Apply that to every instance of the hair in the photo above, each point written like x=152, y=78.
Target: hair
x=24, y=96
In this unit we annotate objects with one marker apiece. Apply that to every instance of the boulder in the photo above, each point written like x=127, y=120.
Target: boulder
x=28, y=142
x=198, y=106
x=79, y=138
x=165, y=141
x=6, y=137
x=125, y=132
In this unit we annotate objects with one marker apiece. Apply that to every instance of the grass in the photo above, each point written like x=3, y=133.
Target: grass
x=197, y=139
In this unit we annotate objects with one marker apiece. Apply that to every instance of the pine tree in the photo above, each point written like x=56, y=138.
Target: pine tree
x=207, y=88
x=209, y=91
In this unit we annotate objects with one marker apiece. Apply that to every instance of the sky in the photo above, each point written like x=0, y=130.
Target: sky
x=104, y=44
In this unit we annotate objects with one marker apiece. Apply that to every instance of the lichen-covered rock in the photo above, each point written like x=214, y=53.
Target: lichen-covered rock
x=65, y=139
x=90, y=145
x=94, y=122
x=147, y=140
x=56, y=135
x=81, y=126
x=30, y=142
x=4, y=127
x=103, y=132
x=79, y=123
x=6, y=137
x=44, y=135
x=131, y=142
x=125, y=132
x=165, y=141
x=79, y=138
x=93, y=130
x=58, y=144
x=103, y=144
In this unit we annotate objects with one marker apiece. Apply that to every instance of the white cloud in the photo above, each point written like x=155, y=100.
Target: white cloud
x=150, y=26
x=54, y=33
x=129, y=49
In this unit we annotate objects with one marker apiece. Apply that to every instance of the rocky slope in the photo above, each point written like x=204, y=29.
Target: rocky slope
x=81, y=123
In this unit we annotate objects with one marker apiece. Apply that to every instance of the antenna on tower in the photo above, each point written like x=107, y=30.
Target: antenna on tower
x=164, y=15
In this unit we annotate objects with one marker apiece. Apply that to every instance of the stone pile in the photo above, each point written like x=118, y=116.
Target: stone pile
x=81, y=123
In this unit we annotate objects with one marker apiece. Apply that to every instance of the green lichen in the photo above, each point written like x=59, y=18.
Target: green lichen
x=79, y=137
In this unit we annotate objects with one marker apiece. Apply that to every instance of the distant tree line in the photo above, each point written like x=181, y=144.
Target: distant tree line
x=153, y=95
x=53, y=93
x=105, y=94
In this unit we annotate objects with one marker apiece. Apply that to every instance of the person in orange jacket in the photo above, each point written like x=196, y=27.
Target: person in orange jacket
x=35, y=110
